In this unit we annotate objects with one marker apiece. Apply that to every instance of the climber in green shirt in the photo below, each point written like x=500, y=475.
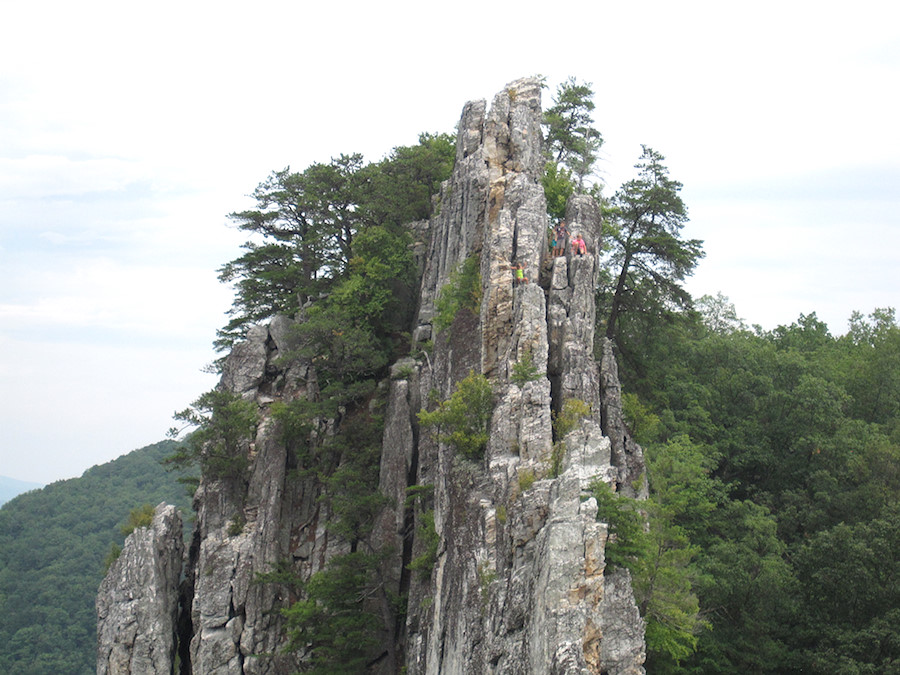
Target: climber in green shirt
x=518, y=274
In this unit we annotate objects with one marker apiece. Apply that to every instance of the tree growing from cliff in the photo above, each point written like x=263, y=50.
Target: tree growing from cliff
x=225, y=424
x=356, y=309
x=398, y=189
x=463, y=420
x=649, y=259
x=572, y=140
x=651, y=538
x=461, y=292
x=304, y=229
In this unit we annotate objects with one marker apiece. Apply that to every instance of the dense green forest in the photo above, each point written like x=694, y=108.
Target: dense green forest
x=775, y=475
x=53, y=543
x=773, y=456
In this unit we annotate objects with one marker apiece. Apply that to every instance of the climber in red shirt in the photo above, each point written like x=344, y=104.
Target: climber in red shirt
x=578, y=245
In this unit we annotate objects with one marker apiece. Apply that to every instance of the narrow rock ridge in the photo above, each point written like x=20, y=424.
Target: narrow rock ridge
x=137, y=604
x=519, y=583
x=246, y=527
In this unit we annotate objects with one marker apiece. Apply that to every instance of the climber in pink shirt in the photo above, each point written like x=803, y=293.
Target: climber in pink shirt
x=578, y=245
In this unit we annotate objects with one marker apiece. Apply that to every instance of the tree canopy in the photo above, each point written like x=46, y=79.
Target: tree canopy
x=795, y=566
x=304, y=226
x=648, y=258
x=571, y=138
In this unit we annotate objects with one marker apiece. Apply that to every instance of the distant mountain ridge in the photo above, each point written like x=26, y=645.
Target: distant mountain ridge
x=10, y=487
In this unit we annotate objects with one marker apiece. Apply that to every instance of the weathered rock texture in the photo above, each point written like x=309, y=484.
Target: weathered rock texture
x=246, y=527
x=519, y=583
x=137, y=605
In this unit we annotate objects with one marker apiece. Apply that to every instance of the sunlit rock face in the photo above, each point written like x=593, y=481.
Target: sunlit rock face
x=519, y=582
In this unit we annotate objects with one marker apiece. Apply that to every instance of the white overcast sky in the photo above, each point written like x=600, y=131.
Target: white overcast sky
x=129, y=130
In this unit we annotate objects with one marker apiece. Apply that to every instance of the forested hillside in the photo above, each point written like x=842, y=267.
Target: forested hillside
x=53, y=543
x=775, y=476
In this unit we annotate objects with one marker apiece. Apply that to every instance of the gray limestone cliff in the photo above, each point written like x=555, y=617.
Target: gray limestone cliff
x=137, y=606
x=518, y=582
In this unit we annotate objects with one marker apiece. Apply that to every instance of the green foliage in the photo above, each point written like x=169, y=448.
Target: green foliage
x=643, y=423
x=307, y=222
x=236, y=525
x=336, y=251
x=298, y=421
x=422, y=497
x=345, y=610
x=345, y=464
x=427, y=534
x=462, y=421
x=54, y=545
x=526, y=478
x=398, y=189
x=142, y=516
x=114, y=552
x=351, y=490
x=524, y=370
x=660, y=556
x=486, y=576
x=573, y=411
x=414, y=493
x=225, y=425
x=403, y=373
x=570, y=134
x=462, y=292
x=718, y=314
x=649, y=259
x=352, y=335
x=558, y=187
x=875, y=386
x=305, y=232
x=557, y=454
x=786, y=490
x=333, y=623
x=625, y=522
x=848, y=579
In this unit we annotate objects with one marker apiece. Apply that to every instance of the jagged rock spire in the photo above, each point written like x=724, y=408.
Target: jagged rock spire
x=137, y=604
x=519, y=582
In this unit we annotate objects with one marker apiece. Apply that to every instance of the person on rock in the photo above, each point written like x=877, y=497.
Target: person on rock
x=561, y=234
x=518, y=274
x=578, y=245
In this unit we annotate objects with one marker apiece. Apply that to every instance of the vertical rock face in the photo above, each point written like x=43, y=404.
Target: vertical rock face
x=247, y=526
x=518, y=582
x=628, y=455
x=137, y=604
